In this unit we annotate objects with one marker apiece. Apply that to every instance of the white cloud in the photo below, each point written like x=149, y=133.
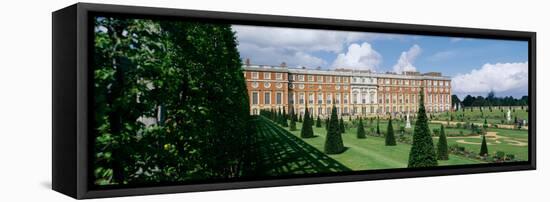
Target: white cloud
x=443, y=55
x=502, y=78
x=274, y=56
x=456, y=39
x=278, y=44
x=362, y=57
x=406, y=60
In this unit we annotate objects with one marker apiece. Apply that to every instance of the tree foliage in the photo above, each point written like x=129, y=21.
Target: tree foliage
x=422, y=152
x=333, y=142
x=361, y=130
x=307, y=126
x=171, y=102
x=442, y=148
x=390, y=136
x=483, y=150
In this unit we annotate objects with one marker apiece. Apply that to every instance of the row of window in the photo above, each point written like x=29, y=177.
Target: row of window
x=412, y=82
x=266, y=75
x=366, y=110
x=318, y=78
x=319, y=87
x=401, y=89
x=255, y=98
x=339, y=79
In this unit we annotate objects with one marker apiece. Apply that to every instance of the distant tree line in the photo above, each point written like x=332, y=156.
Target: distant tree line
x=490, y=100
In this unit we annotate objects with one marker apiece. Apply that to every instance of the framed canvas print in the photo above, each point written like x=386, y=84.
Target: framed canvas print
x=156, y=100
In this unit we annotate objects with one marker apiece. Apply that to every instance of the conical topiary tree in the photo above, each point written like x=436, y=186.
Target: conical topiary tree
x=442, y=149
x=483, y=150
x=390, y=137
x=307, y=130
x=378, y=126
x=284, y=121
x=300, y=118
x=361, y=130
x=292, y=126
x=333, y=141
x=422, y=152
x=342, y=126
x=318, y=123
x=326, y=123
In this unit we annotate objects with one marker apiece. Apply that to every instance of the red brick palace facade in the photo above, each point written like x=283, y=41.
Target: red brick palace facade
x=352, y=92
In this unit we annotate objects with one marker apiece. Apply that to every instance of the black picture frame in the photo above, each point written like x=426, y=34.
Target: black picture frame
x=72, y=88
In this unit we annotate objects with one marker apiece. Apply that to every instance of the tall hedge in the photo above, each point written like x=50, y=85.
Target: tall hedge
x=318, y=122
x=171, y=103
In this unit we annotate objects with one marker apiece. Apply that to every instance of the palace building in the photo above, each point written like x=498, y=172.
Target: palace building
x=352, y=92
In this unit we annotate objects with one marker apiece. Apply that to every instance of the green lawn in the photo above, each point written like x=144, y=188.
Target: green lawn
x=281, y=153
x=371, y=153
x=521, y=152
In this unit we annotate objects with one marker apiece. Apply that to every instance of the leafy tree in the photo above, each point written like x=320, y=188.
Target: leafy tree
x=334, y=143
x=361, y=130
x=485, y=125
x=307, y=130
x=171, y=103
x=483, y=151
x=390, y=137
x=422, y=152
x=442, y=149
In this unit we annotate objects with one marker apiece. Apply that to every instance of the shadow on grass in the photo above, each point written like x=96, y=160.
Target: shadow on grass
x=283, y=153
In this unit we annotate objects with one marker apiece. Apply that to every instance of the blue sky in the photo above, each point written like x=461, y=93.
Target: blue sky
x=476, y=66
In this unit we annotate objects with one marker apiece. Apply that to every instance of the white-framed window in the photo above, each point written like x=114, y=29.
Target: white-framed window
x=329, y=98
x=345, y=79
x=279, y=76
x=267, y=75
x=279, y=98
x=329, y=79
x=300, y=77
x=310, y=78
x=337, y=87
x=337, y=79
x=319, y=78
x=267, y=98
x=254, y=75
x=346, y=98
x=279, y=85
x=291, y=86
x=292, y=77
x=255, y=98
x=319, y=98
x=302, y=98
x=337, y=101
x=301, y=86
x=354, y=98
x=255, y=84
x=267, y=84
x=311, y=98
